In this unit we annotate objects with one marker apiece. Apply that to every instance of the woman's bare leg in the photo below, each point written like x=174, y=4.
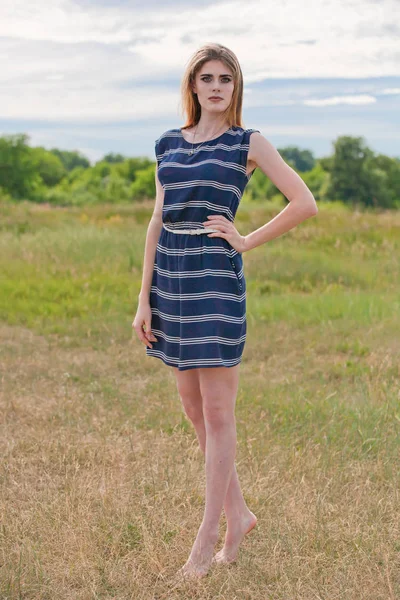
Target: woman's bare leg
x=188, y=386
x=239, y=518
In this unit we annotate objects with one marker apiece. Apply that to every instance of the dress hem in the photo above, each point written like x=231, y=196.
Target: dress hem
x=169, y=364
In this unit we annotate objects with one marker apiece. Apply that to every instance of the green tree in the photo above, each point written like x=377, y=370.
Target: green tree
x=115, y=189
x=318, y=181
x=131, y=166
x=18, y=172
x=48, y=165
x=355, y=177
x=301, y=160
x=100, y=169
x=71, y=159
x=113, y=158
x=390, y=170
x=144, y=185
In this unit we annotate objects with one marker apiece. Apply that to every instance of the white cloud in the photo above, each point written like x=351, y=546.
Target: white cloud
x=73, y=103
x=65, y=21
x=102, y=61
x=333, y=101
x=330, y=129
x=390, y=91
x=55, y=77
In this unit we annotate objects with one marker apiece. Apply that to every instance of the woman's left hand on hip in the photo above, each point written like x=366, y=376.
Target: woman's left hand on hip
x=226, y=230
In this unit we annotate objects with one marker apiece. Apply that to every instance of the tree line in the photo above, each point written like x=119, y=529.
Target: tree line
x=353, y=174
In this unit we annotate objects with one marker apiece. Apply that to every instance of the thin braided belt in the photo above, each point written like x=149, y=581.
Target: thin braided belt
x=193, y=231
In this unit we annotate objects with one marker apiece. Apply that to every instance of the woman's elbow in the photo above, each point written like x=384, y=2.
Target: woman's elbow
x=306, y=205
x=310, y=206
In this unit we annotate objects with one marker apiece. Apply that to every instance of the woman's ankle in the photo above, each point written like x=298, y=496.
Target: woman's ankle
x=235, y=515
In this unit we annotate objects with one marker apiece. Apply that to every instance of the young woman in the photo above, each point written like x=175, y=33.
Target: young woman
x=192, y=305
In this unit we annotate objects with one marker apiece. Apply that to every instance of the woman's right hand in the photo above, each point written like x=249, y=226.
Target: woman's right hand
x=142, y=324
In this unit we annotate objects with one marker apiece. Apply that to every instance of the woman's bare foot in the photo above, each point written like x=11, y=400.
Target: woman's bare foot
x=199, y=561
x=234, y=535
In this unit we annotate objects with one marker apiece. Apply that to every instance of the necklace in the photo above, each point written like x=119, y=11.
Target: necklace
x=192, y=151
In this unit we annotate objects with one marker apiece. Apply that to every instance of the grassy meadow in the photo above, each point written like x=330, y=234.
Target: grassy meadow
x=102, y=481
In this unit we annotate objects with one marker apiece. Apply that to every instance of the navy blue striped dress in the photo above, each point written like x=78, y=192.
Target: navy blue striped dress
x=198, y=291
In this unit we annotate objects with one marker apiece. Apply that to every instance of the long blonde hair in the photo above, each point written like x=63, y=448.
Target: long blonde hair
x=190, y=104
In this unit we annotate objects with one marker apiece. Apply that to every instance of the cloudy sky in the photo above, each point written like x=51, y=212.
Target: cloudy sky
x=103, y=76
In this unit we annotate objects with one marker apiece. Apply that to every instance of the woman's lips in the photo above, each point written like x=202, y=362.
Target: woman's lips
x=215, y=99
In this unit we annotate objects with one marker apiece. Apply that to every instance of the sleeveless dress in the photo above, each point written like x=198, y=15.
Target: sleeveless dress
x=198, y=290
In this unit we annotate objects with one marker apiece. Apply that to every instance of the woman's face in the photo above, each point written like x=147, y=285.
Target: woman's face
x=214, y=79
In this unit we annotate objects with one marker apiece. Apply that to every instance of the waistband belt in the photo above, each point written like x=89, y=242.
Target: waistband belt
x=192, y=231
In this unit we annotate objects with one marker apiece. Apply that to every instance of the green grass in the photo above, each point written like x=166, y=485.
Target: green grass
x=102, y=481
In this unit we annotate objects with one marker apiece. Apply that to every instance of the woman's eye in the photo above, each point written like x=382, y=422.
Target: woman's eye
x=225, y=79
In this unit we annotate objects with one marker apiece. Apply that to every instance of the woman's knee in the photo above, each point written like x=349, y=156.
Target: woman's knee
x=217, y=414
x=189, y=393
x=219, y=390
x=192, y=405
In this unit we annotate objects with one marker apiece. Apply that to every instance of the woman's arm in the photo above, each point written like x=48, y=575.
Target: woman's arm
x=302, y=203
x=153, y=234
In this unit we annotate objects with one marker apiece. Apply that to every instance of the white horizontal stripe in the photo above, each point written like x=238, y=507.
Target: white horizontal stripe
x=198, y=296
x=184, y=224
x=220, y=146
x=198, y=273
x=177, y=133
x=199, y=204
x=196, y=251
x=199, y=340
x=234, y=133
x=203, y=362
x=196, y=203
x=203, y=183
x=222, y=163
x=198, y=318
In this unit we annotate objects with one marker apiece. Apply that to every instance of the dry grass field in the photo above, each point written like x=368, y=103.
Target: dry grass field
x=102, y=480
